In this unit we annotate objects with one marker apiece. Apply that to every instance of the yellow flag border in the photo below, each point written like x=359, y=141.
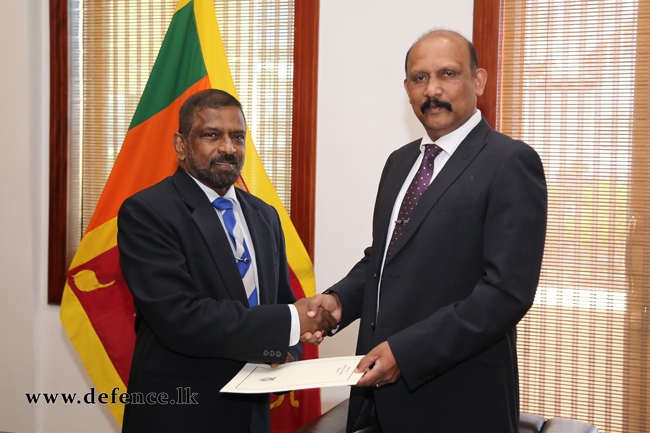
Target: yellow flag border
x=77, y=323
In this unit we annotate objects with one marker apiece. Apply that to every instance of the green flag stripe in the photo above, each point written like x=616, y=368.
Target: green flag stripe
x=178, y=66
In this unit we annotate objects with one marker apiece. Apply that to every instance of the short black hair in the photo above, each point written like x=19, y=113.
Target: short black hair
x=211, y=98
x=473, y=58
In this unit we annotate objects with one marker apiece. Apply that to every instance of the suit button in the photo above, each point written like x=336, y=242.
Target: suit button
x=372, y=325
x=272, y=353
x=266, y=353
x=375, y=276
x=278, y=354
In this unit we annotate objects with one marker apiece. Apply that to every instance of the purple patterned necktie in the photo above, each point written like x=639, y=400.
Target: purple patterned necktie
x=418, y=185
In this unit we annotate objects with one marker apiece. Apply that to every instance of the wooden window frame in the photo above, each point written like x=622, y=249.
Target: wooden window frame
x=303, y=157
x=486, y=39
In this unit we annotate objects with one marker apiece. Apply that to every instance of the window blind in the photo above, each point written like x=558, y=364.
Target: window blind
x=113, y=46
x=258, y=37
x=574, y=85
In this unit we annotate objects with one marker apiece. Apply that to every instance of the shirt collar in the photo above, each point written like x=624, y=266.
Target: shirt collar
x=212, y=194
x=450, y=142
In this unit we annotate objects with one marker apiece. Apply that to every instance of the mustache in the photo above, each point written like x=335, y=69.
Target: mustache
x=225, y=158
x=435, y=102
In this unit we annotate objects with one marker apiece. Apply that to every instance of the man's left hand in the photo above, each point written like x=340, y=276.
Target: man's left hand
x=384, y=367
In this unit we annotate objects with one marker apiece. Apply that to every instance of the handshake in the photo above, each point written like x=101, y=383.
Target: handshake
x=318, y=316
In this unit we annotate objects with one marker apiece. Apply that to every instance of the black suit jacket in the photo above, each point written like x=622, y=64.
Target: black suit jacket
x=462, y=275
x=194, y=328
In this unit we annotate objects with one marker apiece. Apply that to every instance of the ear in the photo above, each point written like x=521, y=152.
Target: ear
x=406, y=87
x=480, y=80
x=179, y=146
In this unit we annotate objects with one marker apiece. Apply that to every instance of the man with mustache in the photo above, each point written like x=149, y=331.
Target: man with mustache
x=458, y=239
x=207, y=267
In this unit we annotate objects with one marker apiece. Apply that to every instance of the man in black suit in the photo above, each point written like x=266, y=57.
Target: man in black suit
x=196, y=270
x=458, y=238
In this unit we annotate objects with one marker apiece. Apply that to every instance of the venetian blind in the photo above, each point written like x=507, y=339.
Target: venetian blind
x=113, y=46
x=574, y=84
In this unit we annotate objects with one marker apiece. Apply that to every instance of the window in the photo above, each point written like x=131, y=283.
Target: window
x=572, y=82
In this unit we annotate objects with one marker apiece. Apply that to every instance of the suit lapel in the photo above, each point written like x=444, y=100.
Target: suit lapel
x=208, y=222
x=459, y=161
x=259, y=231
x=391, y=184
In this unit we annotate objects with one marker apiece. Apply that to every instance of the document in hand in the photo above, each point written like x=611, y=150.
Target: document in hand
x=312, y=373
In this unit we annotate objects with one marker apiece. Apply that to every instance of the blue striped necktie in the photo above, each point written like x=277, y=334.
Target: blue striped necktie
x=242, y=255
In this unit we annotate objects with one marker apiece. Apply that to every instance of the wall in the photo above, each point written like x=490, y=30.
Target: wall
x=363, y=115
x=17, y=221
x=36, y=354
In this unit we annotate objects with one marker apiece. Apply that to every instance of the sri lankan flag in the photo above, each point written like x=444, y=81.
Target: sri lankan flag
x=97, y=309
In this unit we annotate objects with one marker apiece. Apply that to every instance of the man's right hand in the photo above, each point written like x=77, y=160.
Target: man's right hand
x=329, y=302
x=321, y=321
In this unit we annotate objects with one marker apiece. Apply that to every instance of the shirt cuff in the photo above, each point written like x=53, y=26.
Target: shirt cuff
x=294, y=337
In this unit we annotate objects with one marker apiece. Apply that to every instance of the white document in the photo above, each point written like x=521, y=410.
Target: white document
x=312, y=373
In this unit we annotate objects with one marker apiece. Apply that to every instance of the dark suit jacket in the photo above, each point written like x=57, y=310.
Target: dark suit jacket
x=194, y=327
x=462, y=275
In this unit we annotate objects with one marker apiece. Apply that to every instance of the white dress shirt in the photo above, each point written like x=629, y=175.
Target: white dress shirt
x=448, y=143
x=294, y=337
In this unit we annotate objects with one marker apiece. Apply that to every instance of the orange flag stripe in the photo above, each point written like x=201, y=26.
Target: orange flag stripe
x=137, y=152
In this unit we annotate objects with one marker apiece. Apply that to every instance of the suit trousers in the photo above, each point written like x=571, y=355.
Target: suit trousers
x=367, y=421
